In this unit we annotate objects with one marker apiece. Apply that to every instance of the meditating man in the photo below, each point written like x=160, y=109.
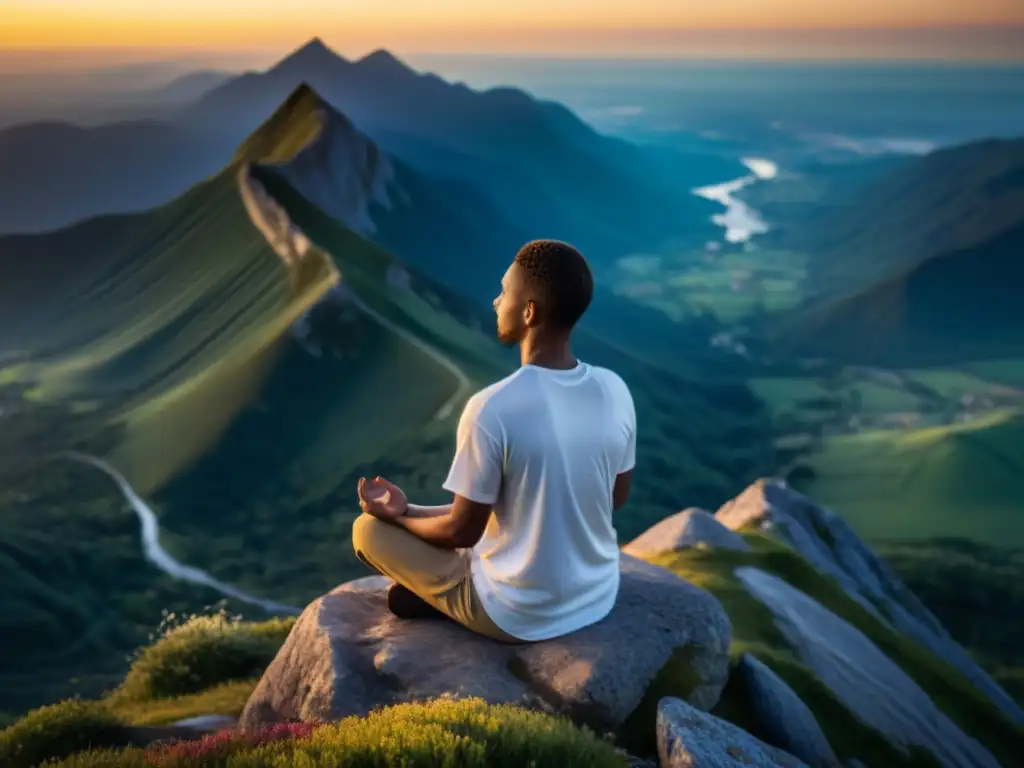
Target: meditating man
x=526, y=551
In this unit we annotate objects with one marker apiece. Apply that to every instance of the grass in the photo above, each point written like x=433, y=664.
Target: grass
x=960, y=480
x=1008, y=372
x=439, y=733
x=875, y=398
x=202, y=665
x=733, y=285
x=977, y=592
x=59, y=730
x=221, y=699
x=781, y=392
x=951, y=383
x=202, y=652
x=754, y=632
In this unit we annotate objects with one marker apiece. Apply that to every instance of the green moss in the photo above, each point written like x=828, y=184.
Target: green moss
x=754, y=631
x=677, y=678
x=59, y=730
x=468, y=733
x=204, y=652
x=227, y=699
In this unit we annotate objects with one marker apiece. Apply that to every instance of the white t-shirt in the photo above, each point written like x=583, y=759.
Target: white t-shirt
x=543, y=447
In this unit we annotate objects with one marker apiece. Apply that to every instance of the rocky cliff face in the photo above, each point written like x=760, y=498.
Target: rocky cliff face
x=829, y=544
x=341, y=171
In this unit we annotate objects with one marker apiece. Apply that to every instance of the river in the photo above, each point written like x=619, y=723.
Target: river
x=740, y=221
x=160, y=557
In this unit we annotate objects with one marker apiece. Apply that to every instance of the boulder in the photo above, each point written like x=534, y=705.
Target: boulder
x=829, y=544
x=867, y=682
x=690, y=528
x=782, y=717
x=690, y=738
x=347, y=655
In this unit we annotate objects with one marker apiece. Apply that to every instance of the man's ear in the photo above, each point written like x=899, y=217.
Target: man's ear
x=530, y=314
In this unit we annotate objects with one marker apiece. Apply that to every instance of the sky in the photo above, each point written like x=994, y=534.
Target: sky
x=108, y=29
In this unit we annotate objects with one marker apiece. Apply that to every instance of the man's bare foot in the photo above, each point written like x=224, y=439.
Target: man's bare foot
x=406, y=604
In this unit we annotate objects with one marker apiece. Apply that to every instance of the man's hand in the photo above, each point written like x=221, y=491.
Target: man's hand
x=381, y=498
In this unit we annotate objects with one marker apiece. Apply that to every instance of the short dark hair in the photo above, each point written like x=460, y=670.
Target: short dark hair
x=562, y=276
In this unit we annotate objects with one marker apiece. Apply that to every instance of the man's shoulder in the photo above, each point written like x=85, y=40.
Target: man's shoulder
x=615, y=383
x=489, y=402
x=494, y=393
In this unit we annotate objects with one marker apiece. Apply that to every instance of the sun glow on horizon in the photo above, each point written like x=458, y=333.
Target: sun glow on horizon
x=573, y=27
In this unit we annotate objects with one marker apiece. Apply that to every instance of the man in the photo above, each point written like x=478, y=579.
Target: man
x=526, y=551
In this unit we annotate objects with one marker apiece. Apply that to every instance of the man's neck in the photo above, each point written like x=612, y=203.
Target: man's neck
x=550, y=352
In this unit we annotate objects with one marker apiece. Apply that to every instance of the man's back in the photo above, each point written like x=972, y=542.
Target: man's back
x=545, y=447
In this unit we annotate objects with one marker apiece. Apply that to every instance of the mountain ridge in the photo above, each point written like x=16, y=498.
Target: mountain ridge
x=921, y=266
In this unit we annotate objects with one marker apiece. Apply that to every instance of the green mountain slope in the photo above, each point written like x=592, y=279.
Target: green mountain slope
x=952, y=200
x=918, y=268
x=960, y=480
x=954, y=307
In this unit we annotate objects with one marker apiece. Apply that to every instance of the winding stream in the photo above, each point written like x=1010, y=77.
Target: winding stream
x=740, y=221
x=160, y=557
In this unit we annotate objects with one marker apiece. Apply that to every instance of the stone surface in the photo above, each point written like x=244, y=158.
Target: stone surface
x=347, y=655
x=690, y=738
x=690, y=528
x=829, y=544
x=866, y=681
x=783, y=719
x=207, y=722
x=341, y=171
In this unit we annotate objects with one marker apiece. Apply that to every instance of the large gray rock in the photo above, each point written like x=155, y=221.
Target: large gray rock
x=347, y=655
x=829, y=544
x=867, y=682
x=692, y=527
x=689, y=738
x=782, y=717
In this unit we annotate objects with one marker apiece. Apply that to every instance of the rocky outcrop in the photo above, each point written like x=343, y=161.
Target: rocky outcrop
x=341, y=171
x=829, y=544
x=690, y=528
x=782, y=717
x=348, y=655
x=869, y=684
x=689, y=738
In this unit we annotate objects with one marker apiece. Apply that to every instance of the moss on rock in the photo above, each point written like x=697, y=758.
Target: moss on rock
x=754, y=631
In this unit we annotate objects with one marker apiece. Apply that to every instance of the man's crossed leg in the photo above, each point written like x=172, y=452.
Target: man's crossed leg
x=439, y=578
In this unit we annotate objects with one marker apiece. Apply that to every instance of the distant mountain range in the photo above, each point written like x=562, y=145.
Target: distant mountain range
x=922, y=266
x=548, y=172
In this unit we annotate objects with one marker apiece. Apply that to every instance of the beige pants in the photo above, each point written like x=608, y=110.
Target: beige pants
x=440, y=577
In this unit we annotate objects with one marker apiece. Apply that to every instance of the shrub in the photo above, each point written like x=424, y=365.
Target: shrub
x=58, y=730
x=468, y=733
x=222, y=745
x=203, y=652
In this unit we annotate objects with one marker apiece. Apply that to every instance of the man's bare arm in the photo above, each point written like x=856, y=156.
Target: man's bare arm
x=416, y=510
x=620, y=492
x=461, y=528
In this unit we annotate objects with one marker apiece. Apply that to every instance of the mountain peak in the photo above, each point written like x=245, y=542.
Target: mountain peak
x=382, y=61
x=314, y=53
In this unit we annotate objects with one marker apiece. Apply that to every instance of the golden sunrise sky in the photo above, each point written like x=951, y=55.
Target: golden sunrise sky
x=912, y=28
